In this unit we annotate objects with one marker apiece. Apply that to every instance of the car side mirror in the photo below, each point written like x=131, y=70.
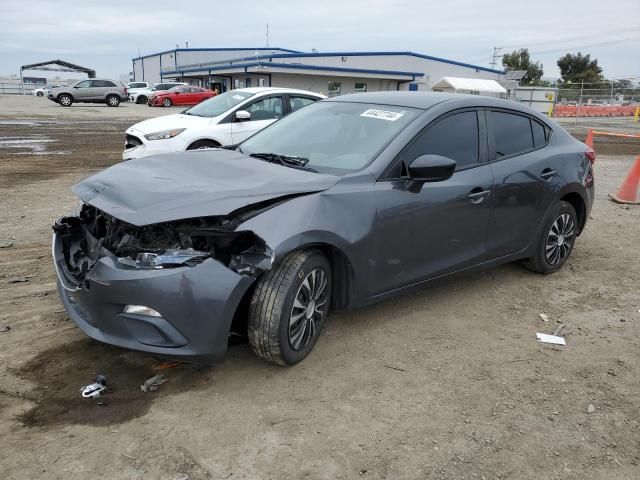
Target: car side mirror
x=243, y=115
x=431, y=168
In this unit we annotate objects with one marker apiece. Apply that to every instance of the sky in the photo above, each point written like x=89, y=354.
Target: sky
x=106, y=35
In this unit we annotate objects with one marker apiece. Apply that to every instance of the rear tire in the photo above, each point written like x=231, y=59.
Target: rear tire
x=141, y=99
x=167, y=102
x=289, y=306
x=556, y=240
x=65, y=100
x=202, y=144
x=113, y=100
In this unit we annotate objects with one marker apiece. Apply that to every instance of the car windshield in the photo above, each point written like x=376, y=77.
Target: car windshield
x=336, y=137
x=219, y=104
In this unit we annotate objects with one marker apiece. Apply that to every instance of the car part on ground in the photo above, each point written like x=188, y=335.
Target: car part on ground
x=214, y=122
x=110, y=92
x=172, y=254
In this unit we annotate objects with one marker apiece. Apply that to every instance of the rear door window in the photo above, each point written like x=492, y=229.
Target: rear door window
x=540, y=134
x=512, y=133
x=455, y=137
x=103, y=83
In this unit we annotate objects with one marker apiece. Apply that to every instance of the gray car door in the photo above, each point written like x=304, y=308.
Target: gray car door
x=426, y=230
x=83, y=90
x=99, y=89
x=527, y=179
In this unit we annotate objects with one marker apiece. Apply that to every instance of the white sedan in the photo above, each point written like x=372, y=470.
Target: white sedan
x=42, y=91
x=143, y=94
x=225, y=119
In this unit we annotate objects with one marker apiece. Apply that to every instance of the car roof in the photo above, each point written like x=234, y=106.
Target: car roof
x=425, y=100
x=256, y=90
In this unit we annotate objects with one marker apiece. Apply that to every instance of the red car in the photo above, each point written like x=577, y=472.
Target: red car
x=180, y=95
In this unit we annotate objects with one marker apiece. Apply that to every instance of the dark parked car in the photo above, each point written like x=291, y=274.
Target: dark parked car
x=341, y=204
x=94, y=90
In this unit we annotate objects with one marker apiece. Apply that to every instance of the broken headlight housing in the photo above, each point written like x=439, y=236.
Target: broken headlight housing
x=168, y=259
x=164, y=134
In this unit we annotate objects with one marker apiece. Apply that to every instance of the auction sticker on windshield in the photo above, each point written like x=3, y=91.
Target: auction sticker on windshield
x=382, y=114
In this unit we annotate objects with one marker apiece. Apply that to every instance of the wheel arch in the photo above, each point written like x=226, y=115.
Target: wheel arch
x=343, y=274
x=65, y=93
x=203, y=139
x=574, y=195
x=578, y=203
x=343, y=280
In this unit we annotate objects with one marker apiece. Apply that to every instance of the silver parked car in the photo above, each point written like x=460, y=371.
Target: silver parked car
x=93, y=90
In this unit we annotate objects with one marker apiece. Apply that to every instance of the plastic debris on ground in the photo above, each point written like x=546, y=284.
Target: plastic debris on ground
x=95, y=389
x=553, y=339
x=152, y=384
x=544, y=316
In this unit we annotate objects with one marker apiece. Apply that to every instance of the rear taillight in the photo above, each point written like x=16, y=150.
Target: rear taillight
x=126, y=90
x=591, y=155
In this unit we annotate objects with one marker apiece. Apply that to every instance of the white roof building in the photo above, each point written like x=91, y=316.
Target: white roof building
x=476, y=86
x=331, y=73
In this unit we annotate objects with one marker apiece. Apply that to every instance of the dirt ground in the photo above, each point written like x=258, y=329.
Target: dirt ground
x=448, y=383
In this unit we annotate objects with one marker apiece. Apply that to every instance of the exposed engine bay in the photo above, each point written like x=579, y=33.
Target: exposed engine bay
x=94, y=234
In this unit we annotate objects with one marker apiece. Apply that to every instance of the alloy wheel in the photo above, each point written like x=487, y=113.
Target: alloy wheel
x=166, y=102
x=559, y=239
x=308, y=309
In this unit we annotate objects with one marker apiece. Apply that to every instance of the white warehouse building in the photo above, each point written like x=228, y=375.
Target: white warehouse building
x=333, y=73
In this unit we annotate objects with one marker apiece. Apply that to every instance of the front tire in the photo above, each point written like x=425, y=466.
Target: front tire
x=65, y=100
x=167, y=102
x=556, y=240
x=113, y=100
x=289, y=306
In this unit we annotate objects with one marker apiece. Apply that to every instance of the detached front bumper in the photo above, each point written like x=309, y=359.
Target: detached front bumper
x=197, y=305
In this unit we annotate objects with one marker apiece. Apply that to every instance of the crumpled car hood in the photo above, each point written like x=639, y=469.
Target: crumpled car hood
x=193, y=184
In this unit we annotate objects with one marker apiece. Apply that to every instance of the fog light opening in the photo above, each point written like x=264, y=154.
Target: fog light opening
x=142, y=310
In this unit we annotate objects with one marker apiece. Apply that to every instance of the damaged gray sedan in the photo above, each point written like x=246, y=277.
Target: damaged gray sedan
x=341, y=204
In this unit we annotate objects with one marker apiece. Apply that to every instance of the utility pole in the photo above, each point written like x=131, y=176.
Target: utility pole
x=495, y=56
x=581, y=89
x=611, y=99
x=267, y=44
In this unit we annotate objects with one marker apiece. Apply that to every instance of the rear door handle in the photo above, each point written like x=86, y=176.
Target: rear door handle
x=548, y=174
x=477, y=195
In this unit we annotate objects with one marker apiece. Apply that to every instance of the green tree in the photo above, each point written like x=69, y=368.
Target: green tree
x=520, y=60
x=579, y=68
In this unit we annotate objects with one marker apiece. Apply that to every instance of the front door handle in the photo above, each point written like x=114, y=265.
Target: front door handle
x=477, y=195
x=547, y=174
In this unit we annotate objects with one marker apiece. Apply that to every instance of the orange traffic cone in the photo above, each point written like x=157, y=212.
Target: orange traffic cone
x=589, y=140
x=628, y=192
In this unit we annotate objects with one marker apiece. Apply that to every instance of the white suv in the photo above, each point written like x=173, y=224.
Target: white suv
x=142, y=95
x=225, y=119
